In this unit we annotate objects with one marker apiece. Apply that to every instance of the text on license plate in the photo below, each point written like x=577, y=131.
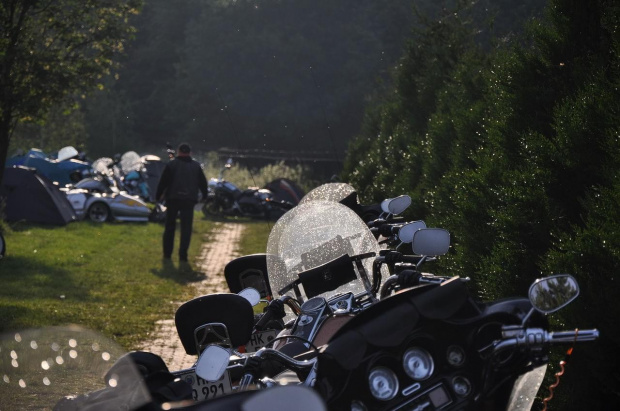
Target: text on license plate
x=260, y=339
x=204, y=390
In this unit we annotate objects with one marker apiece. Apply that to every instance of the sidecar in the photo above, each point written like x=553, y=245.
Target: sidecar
x=107, y=206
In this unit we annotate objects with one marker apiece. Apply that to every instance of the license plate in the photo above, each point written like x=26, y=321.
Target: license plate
x=260, y=339
x=205, y=390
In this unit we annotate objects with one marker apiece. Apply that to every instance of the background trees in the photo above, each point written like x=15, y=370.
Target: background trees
x=514, y=155
x=51, y=50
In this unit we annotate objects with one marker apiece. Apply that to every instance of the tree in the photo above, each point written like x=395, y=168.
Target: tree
x=53, y=50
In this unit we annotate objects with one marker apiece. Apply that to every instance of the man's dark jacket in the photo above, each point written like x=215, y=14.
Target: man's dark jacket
x=181, y=180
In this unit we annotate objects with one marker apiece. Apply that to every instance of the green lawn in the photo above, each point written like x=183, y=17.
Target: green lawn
x=106, y=277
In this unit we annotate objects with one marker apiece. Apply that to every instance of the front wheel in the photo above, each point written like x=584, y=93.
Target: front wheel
x=99, y=212
x=210, y=208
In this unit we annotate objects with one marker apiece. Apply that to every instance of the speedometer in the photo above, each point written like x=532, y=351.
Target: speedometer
x=383, y=383
x=418, y=363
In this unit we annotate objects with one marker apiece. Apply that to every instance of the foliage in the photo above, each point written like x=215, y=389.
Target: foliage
x=52, y=50
x=245, y=177
x=515, y=151
x=62, y=275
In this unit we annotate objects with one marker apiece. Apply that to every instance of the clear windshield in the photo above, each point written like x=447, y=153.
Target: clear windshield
x=329, y=192
x=313, y=234
x=42, y=366
x=102, y=165
x=131, y=161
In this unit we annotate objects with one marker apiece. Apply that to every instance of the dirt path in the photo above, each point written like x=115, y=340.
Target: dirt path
x=214, y=256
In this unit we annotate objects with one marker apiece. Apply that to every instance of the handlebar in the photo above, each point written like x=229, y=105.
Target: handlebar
x=532, y=338
x=271, y=354
x=276, y=308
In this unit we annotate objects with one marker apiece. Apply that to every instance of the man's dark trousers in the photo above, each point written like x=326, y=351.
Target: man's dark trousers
x=185, y=211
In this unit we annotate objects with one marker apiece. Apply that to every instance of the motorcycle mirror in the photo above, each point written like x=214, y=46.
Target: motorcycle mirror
x=212, y=363
x=399, y=204
x=406, y=232
x=430, y=241
x=250, y=294
x=304, y=398
x=384, y=205
x=549, y=294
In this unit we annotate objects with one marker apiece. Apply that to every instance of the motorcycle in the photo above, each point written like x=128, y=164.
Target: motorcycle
x=133, y=175
x=430, y=347
x=226, y=199
x=424, y=343
x=100, y=199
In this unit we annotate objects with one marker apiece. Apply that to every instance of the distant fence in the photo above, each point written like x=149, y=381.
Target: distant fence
x=322, y=163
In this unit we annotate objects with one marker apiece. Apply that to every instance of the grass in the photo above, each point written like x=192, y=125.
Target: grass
x=105, y=277
x=255, y=236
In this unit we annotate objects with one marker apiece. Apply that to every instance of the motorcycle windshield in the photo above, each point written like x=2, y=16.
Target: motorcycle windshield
x=525, y=388
x=312, y=234
x=42, y=366
x=130, y=161
x=329, y=192
x=102, y=164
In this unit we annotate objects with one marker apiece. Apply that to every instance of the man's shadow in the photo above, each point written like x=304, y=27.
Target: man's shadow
x=182, y=272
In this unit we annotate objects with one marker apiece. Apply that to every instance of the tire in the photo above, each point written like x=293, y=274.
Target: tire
x=210, y=208
x=99, y=212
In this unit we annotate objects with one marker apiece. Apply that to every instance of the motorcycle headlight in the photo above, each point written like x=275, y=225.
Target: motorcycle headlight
x=383, y=383
x=418, y=363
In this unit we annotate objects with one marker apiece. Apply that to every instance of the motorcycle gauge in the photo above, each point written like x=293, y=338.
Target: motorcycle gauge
x=455, y=356
x=383, y=383
x=418, y=363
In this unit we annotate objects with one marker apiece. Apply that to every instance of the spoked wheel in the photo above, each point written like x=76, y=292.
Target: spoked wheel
x=99, y=212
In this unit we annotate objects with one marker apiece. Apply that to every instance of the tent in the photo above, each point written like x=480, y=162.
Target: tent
x=285, y=190
x=31, y=197
x=154, y=168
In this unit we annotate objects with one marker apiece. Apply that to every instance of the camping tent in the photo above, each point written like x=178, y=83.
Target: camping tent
x=32, y=197
x=154, y=167
x=285, y=190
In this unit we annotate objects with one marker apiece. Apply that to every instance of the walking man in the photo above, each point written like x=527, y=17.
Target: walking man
x=179, y=185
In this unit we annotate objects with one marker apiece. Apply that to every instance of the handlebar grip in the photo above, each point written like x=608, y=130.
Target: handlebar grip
x=559, y=337
x=262, y=322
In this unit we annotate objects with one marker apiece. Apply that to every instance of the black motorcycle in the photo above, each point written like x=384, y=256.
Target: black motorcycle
x=226, y=199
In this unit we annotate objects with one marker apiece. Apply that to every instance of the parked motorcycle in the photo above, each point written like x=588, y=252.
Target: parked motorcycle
x=133, y=175
x=425, y=343
x=100, y=199
x=432, y=347
x=226, y=199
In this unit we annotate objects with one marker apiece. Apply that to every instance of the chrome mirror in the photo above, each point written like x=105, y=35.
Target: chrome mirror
x=399, y=204
x=212, y=363
x=406, y=232
x=250, y=294
x=431, y=241
x=549, y=294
